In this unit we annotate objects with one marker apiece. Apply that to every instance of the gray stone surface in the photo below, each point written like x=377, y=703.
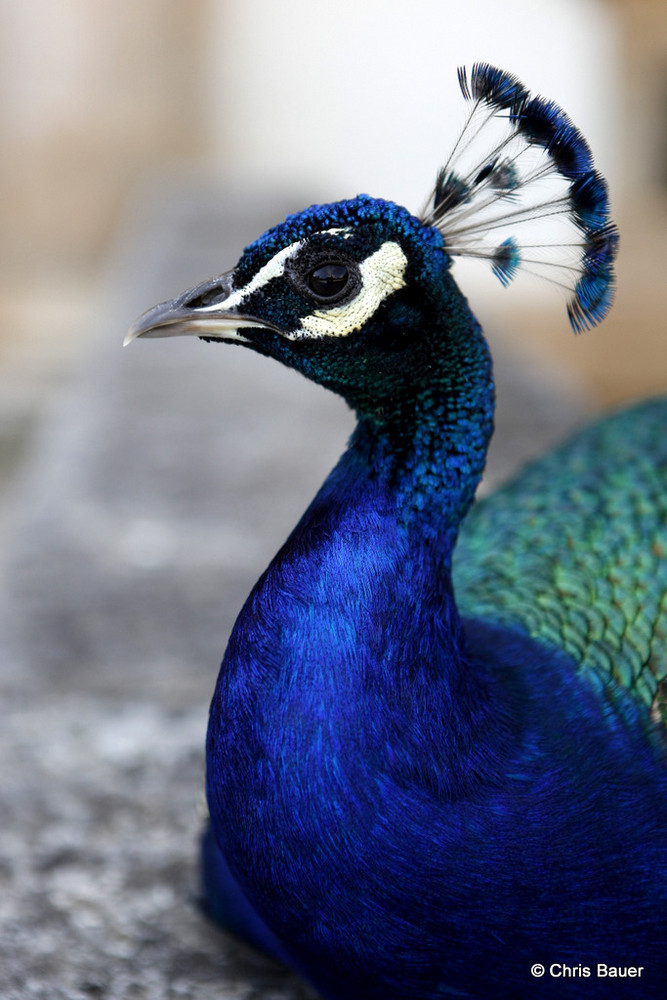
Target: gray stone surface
x=162, y=481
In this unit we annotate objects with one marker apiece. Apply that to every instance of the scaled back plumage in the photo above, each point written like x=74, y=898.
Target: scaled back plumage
x=431, y=766
x=574, y=551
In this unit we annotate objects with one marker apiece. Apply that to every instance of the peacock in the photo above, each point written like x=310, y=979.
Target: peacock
x=435, y=757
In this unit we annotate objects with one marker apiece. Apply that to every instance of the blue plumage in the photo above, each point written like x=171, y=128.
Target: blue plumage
x=506, y=260
x=431, y=766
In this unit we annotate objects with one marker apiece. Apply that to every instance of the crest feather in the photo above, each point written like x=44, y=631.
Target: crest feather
x=520, y=190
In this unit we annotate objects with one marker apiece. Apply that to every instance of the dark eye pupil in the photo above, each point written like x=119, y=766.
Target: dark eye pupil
x=328, y=280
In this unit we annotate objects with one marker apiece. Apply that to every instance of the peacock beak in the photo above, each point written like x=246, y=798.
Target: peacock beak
x=199, y=312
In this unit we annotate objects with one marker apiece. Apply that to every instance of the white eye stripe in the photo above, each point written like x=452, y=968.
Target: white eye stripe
x=274, y=268
x=381, y=274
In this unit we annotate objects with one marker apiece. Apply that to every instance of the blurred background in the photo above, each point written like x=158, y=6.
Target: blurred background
x=101, y=100
x=144, y=142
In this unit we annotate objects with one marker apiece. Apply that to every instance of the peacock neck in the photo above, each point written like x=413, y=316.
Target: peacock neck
x=356, y=617
x=428, y=449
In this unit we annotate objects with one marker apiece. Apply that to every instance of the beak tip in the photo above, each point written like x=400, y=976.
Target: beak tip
x=140, y=326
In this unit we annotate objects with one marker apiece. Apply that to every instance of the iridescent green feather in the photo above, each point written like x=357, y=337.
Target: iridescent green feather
x=575, y=551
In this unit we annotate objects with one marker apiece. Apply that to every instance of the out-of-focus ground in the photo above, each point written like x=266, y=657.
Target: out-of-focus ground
x=143, y=491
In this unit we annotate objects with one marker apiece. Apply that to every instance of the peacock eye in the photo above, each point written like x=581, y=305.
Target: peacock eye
x=328, y=280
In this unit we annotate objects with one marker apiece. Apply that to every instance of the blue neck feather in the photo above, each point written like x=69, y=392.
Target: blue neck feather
x=357, y=609
x=427, y=444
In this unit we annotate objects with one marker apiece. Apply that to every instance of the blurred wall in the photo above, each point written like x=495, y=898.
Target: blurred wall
x=329, y=98
x=364, y=96
x=94, y=96
x=93, y=93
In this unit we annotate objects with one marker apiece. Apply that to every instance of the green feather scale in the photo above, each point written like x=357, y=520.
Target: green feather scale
x=574, y=550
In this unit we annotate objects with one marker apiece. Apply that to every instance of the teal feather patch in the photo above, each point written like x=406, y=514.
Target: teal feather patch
x=574, y=550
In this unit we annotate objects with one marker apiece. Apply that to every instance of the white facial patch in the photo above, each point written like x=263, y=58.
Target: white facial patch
x=381, y=274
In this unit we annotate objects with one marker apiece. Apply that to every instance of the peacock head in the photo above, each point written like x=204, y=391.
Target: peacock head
x=359, y=295
x=343, y=293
